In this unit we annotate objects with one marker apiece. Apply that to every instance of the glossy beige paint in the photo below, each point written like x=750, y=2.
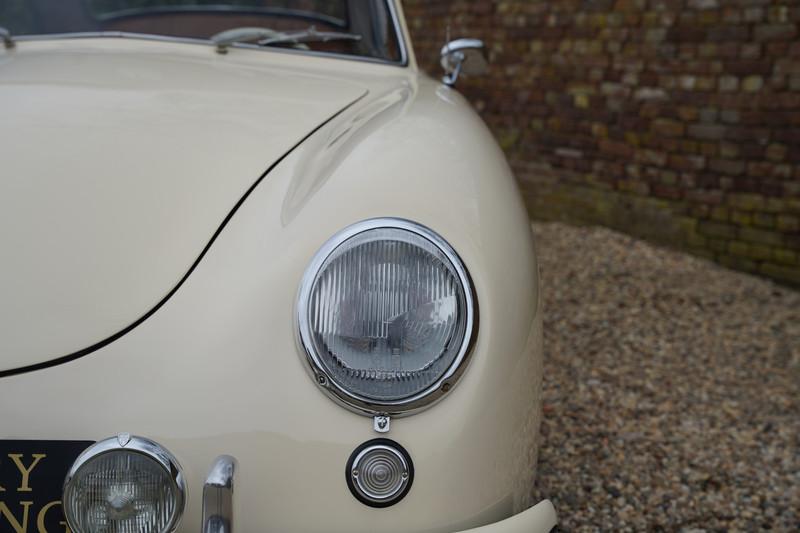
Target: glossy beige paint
x=114, y=155
x=218, y=369
x=539, y=518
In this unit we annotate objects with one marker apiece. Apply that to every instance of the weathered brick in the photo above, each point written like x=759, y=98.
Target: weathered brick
x=717, y=229
x=753, y=14
x=667, y=192
x=719, y=213
x=747, y=202
x=771, y=32
x=704, y=4
x=688, y=113
x=777, y=205
x=687, y=163
x=739, y=248
x=788, y=223
x=694, y=240
x=668, y=128
x=763, y=220
x=711, y=132
x=784, y=273
x=729, y=150
x=699, y=211
x=742, y=218
x=791, y=188
x=709, y=114
x=750, y=51
x=738, y=263
x=651, y=93
x=786, y=257
x=652, y=157
x=728, y=32
x=752, y=84
x=728, y=83
x=792, y=205
x=778, y=14
x=615, y=148
x=776, y=152
x=748, y=67
x=569, y=153
x=730, y=116
x=718, y=245
x=759, y=252
x=581, y=100
x=761, y=236
x=727, y=166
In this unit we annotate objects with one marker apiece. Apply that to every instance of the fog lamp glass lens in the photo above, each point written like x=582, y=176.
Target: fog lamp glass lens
x=121, y=492
x=387, y=314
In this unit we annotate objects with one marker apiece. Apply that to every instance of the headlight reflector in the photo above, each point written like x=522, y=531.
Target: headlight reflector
x=386, y=314
x=124, y=484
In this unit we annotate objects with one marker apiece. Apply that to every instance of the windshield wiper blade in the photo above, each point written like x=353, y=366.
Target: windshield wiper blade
x=240, y=35
x=8, y=41
x=268, y=37
x=311, y=35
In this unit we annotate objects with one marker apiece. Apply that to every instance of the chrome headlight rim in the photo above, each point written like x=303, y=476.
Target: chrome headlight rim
x=125, y=442
x=442, y=386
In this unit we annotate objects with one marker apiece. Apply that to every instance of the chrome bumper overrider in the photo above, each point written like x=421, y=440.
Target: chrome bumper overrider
x=218, y=496
x=218, y=506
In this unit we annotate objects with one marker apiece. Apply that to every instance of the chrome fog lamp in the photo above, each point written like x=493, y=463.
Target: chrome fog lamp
x=386, y=315
x=124, y=484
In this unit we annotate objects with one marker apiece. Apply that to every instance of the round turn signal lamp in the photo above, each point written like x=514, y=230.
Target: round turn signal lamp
x=379, y=473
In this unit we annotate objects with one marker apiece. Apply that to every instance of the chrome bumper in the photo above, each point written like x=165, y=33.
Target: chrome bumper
x=218, y=506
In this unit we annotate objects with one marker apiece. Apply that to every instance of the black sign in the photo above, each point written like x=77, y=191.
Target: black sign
x=32, y=476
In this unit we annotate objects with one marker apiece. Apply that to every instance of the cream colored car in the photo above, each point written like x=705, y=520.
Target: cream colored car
x=259, y=274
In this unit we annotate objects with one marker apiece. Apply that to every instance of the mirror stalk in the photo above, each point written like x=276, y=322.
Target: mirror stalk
x=463, y=56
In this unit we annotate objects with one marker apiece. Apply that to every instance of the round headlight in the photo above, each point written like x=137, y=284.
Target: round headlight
x=124, y=484
x=386, y=316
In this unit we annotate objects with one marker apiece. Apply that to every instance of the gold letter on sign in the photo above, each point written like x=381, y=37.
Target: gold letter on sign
x=43, y=514
x=26, y=472
x=20, y=526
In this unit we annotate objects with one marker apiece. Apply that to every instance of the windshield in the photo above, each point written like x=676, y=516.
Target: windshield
x=365, y=28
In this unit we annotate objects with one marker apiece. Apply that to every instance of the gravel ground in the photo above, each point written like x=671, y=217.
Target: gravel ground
x=671, y=389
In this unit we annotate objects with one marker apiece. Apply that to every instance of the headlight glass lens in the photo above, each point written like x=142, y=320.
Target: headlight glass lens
x=122, y=491
x=388, y=313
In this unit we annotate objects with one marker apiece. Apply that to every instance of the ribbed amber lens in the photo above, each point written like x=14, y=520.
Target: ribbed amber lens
x=121, y=492
x=387, y=314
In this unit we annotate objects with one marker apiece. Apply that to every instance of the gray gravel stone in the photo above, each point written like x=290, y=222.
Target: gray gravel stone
x=671, y=389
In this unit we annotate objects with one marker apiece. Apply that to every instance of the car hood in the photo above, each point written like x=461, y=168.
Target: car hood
x=117, y=167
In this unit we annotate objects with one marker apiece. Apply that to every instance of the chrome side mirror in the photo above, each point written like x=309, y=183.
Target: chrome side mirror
x=463, y=56
x=5, y=36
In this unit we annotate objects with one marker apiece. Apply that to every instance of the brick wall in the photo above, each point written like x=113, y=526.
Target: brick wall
x=673, y=120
